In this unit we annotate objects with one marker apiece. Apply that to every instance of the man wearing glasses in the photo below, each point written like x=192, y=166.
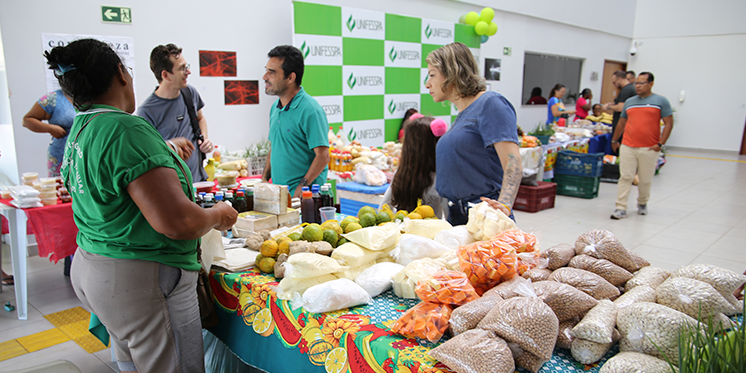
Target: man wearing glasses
x=166, y=108
x=642, y=143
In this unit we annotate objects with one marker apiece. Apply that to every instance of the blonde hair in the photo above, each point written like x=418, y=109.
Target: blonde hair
x=459, y=68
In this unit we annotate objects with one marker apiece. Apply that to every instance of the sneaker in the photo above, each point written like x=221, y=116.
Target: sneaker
x=642, y=209
x=619, y=214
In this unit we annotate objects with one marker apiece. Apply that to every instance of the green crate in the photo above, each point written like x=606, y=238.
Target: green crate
x=577, y=186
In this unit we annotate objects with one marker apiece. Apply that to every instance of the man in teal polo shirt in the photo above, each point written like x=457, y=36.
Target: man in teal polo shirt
x=297, y=125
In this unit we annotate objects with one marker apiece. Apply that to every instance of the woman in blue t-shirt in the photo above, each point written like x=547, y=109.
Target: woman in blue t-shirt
x=478, y=158
x=56, y=109
x=555, y=106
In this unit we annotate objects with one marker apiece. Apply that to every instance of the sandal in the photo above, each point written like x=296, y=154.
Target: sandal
x=9, y=281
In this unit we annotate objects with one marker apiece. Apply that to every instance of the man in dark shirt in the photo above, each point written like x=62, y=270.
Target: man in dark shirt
x=626, y=90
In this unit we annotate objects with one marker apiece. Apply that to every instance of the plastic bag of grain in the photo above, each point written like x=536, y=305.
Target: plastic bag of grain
x=525, y=321
x=652, y=329
x=602, y=244
x=332, y=296
x=566, y=301
x=642, y=293
x=425, y=320
x=428, y=228
x=354, y=255
x=587, y=282
x=289, y=286
x=378, y=277
x=598, y=324
x=454, y=238
x=564, y=335
x=412, y=247
x=508, y=289
x=723, y=280
x=467, y=317
x=446, y=287
x=651, y=276
x=475, y=351
x=559, y=255
x=589, y=352
x=309, y=265
x=525, y=359
x=692, y=297
x=628, y=362
x=537, y=274
x=613, y=273
x=375, y=238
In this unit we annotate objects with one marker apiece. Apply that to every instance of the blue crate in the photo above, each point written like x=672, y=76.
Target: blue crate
x=351, y=207
x=579, y=164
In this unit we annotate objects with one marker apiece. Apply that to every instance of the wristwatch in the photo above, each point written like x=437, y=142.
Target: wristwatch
x=614, y=142
x=304, y=182
x=662, y=146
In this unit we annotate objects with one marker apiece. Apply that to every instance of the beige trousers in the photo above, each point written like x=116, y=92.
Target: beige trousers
x=640, y=161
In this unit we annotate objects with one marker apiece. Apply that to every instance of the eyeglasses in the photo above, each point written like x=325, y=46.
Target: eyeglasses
x=185, y=68
x=641, y=83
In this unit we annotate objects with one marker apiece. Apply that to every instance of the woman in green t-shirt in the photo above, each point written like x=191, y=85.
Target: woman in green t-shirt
x=136, y=266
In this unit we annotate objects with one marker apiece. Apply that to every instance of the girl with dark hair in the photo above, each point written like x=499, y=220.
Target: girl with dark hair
x=555, y=105
x=136, y=266
x=583, y=105
x=404, y=122
x=415, y=178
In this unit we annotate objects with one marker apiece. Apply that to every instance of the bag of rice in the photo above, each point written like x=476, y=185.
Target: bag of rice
x=723, y=280
x=559, y=255
x=598, y=324
x=455, y=237
x=626, y=362
x=692, y=297
x=587, y=282
x=375, y=238
x=651, y=276
x=309, y=265
x=467, y=317
x=613, y=273
x=566, y=301
x=589, y=352
x=486, y=222
x=405, y=281
x=332, y=296
x=602, y=244
x=642, y=293
x=475, y=351
x=378, y=277
x=412, y=247
x=424, y=320
x=652, y=329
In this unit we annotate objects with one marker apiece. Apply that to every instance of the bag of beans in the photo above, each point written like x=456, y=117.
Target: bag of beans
x=626, y=362
x=602, y=244
x=537, y=274
x=693, y=297
x=613, y=273
x=559, y=255
x=587, y=282
x=651, y=276
x=467, y=317
x=566, y=301
x=564, y=335
x=475, y=351
x=589, y=352
x=598, y=324
x=642, y=293
x=723, y=280
x=652, y=329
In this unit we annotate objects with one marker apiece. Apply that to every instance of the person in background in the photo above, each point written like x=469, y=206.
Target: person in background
x=478, y=158
x=136, y=265
x=626, y=90
x=56, y=109
x=631, y=76
x=643, y=141
x=415, y=178
x=536, y=98
x=166, y=108
x=555, y=106
x=598, y=110
x=583, y=105
x=297, y=125
x=408, y=114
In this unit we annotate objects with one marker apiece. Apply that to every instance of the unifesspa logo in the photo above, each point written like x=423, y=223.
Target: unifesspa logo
x=363, y=24
x=371, y=133
x=402, y=106
x=320, y=50
x=332, y=109
x=364, y=81
x=437, y=32
x=403, y=54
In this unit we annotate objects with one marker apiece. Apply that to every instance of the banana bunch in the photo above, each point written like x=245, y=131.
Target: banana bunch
x=603, y=118
x=241, y=165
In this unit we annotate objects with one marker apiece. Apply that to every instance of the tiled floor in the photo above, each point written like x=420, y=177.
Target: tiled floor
x=697, y=215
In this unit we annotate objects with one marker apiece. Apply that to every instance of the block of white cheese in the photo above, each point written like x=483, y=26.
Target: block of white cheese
x=271, y=198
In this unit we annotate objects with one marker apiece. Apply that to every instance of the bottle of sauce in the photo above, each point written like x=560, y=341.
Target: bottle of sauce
x=229, y=197
x=326, y=197
x=316, y=203
x=240, y=204
x=307, y=208
x=249, y=196
x=209, y=201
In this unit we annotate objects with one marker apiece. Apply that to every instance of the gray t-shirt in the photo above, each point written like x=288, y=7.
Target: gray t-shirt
x=170, y=118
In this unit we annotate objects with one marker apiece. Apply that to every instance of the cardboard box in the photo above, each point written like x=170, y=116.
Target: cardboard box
x=253, y=221
x=271, y=198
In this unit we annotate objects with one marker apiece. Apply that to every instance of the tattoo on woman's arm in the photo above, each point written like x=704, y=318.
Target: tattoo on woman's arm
x=511, y=181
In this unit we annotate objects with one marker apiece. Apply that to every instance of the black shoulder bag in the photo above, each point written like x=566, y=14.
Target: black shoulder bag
x=186, y=94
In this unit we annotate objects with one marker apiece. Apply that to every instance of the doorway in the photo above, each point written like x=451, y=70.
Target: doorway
x=608, y=91
x=743, y=142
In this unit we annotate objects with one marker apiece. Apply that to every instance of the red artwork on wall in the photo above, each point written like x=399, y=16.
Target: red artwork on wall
x=216, y=63
x=241, y=92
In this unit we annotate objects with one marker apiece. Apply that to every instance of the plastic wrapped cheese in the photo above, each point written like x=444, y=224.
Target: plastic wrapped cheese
x=486, y=222
x=426, y=227
x=354, y=255
x=375, y=238
x=412, y=247
x=352, y=272
x=309, y=265
x=291, y=285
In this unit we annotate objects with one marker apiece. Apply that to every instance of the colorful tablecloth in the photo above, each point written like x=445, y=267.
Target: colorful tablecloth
x=267, y=333
x=54, y=228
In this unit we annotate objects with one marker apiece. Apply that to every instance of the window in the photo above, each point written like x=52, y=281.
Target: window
x=545, y=70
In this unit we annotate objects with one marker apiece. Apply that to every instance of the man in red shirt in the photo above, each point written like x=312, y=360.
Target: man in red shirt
x=639, y=151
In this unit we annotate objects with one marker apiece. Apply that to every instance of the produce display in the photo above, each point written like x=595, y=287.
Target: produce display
x=425, y=320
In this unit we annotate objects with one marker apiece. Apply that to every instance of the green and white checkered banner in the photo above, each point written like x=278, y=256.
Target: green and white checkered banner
x=367, y=68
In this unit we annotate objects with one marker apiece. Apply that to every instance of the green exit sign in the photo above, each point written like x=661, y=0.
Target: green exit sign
x=507, y=51
x=116, y=14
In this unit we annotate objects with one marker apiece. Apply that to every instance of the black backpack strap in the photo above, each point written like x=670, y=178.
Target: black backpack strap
x=186, y=94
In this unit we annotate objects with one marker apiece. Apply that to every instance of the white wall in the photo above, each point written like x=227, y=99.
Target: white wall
x=698, y=48
x=252, y=28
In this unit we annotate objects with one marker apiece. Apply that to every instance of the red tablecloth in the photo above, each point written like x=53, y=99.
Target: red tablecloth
x=54, y=228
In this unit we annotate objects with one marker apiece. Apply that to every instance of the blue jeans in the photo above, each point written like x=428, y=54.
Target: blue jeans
x=458, y=211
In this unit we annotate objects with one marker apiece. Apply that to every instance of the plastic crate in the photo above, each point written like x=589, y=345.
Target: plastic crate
x=611, y=173
x=256, y=165
x=577, y=186
x=351, y=207
x=579, y=164
x=535, y=198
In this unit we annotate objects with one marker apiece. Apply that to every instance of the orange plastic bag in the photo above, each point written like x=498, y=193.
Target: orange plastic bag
x=425, y=320
x=522, y=242
x=446, y=287
x=487, y=263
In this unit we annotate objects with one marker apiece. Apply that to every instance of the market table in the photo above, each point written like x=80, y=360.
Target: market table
x=268, y=333
x=55, y=233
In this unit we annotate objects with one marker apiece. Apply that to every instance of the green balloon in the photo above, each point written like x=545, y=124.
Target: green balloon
x=462, y=19
x=472, y=18
x=492, y=30
x=487, y=14
x=481, y=28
